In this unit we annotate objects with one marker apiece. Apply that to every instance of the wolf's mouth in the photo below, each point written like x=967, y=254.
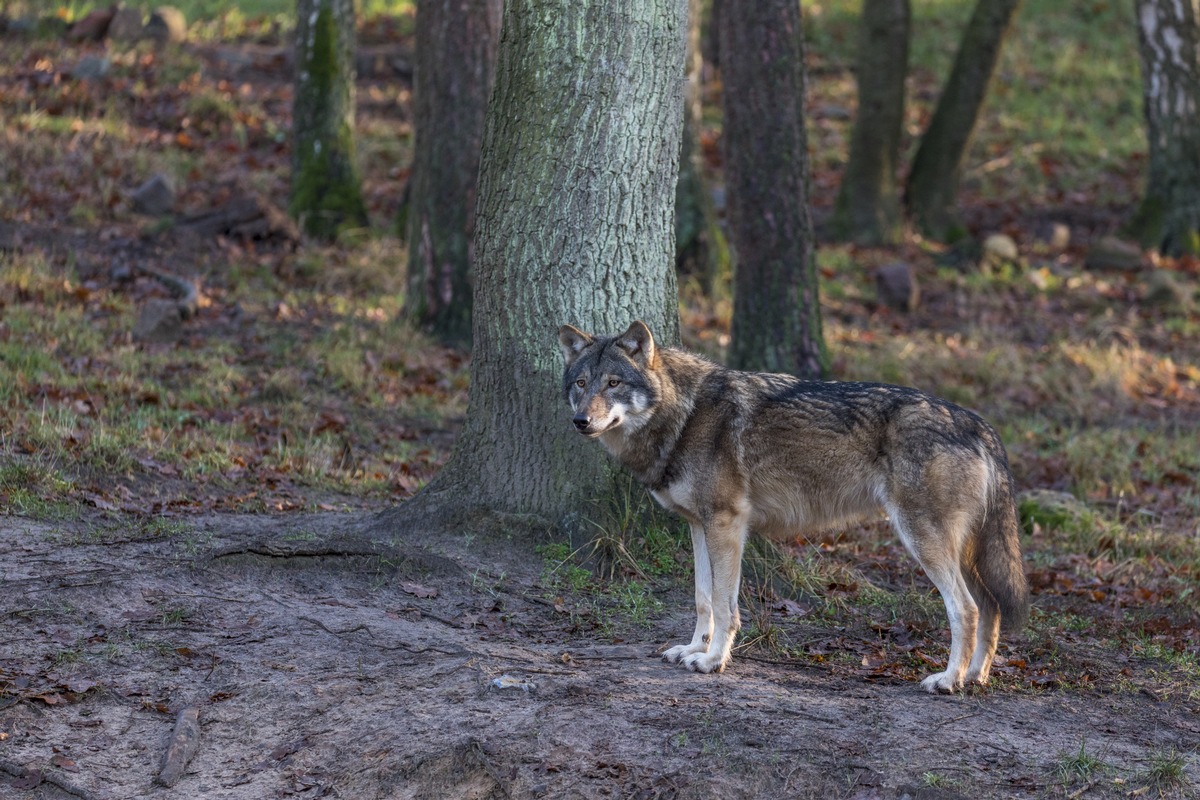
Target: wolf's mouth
x=598, y=433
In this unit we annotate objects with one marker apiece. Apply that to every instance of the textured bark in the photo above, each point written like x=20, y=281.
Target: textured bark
x=776, y=313
x=937, y=167
x=575, y=225
x=1168, y=218
x=455, y=58
x=700, y=249
x=325, y=188
x=868, y=205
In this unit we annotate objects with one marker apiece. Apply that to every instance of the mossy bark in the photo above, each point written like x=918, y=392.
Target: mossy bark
x=575, y=225
x=776, y=311
x=932, y=187
x=868, y=204
x=455, y=58
x=1168, y=218
x=326, y=195
x=701, y=253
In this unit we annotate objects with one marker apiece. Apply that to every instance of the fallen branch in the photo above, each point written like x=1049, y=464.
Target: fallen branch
x=185, y=292
x=184, y=741
x=33, y=777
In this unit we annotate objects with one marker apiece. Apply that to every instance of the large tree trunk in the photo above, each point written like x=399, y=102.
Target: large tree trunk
x=933, y=182
x=700, y=249
x=575, y=225
x=868, y=204
x=455, y=57
x=1169, y=38
x=325, y=189
x=776, y=313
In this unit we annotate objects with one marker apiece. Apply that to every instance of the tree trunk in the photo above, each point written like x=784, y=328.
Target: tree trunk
x=933, y=182
x=1169, y=38
x=868, y=204
x=455, y=57
x=776, y=313
x=325, y=189
x=575, y=225
x=700, y=249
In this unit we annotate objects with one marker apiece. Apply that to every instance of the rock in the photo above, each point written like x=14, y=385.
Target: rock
x=167, y=24
x=1111, y=253
x=1060, y=236
x=155, y=197
x=896, y=286
x=999, y=249
x=245, y=216
x=1164, y=290
x=91, y=68
x=126, y=25
x=159, y=321
x=93, y=27
x=10, y=238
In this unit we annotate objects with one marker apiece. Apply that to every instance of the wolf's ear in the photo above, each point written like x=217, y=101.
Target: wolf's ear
x=637, y=342
x=572, y=340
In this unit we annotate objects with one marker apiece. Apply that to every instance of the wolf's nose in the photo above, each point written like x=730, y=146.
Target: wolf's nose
x=581, y=422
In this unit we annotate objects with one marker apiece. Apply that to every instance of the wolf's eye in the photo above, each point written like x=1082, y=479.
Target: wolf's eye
x=581, y=383
x=614, y=383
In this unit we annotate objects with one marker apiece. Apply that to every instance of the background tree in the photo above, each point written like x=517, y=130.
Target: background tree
x=1168, y=218
x=575, y=225
x=454, y=61
x=932, y=186
x=700, y=248
x=325, y=186
x=776, y=312
x=868, y=205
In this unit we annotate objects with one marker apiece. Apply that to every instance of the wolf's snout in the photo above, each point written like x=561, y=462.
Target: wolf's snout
x=582, y=422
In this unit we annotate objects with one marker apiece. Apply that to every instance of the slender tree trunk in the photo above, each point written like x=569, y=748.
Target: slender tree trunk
x=325, y=189
x=868, y=205
x=1169, y=38
x=455, y=58
x=575, y=225
x=932, y=186
x=700, y=248
x=776, y=313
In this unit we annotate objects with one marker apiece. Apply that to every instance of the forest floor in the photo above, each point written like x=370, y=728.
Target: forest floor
x=190, y=503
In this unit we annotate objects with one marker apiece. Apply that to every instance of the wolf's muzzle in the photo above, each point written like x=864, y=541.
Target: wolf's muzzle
x=582, y=422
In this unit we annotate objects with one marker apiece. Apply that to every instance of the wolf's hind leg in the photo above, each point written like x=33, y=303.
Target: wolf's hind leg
x=986, y=637
x=964, y=618
x=725, y=537
x=704, y=608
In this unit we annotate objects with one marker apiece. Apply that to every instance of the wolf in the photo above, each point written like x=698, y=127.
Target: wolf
x=734, y=452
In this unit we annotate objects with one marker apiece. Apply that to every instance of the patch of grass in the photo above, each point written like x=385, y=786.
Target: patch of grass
x=1080, y=765
x=936, y=780
x=1167, y=771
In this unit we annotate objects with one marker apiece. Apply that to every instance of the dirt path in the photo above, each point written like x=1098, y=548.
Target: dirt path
x=321, y=675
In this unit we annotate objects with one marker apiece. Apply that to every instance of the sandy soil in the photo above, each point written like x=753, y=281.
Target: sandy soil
x=327, y=664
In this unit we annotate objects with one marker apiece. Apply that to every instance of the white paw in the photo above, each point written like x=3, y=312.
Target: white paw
x=682, y=651
x=941, y=683
x=980, y=678
x=705, y=662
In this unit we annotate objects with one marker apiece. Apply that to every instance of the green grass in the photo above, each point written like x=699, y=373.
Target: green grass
x=1080, y=765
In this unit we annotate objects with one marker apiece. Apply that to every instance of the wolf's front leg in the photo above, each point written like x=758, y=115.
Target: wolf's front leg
x=704, y=613
x=725, y=539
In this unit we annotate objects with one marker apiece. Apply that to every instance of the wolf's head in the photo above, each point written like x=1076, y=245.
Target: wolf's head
x=608, y=380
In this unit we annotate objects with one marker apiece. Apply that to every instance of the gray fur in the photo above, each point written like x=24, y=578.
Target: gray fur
x=736, y=451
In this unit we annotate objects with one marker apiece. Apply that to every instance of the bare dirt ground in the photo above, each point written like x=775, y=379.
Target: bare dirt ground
x=326, y=663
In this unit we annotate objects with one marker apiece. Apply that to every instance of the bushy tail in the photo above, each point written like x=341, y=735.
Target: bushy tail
x=996, y=557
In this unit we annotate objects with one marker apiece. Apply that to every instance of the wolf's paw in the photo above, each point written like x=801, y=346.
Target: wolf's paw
x=941, y=683
x=979, y=678
x=704, y=662
x=682, y=651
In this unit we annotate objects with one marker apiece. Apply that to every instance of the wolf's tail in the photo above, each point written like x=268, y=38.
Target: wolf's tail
x=994, y=563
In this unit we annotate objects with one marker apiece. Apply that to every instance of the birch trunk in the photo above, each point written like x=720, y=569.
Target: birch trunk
x=1169, y=37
